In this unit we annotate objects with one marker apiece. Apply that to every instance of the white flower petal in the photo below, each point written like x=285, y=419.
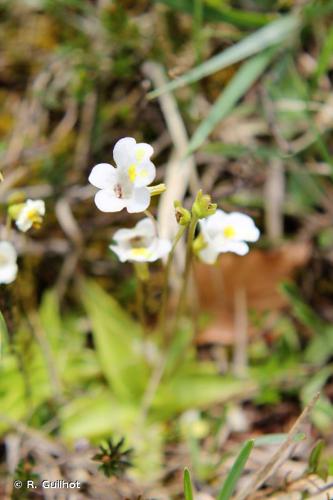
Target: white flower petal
x=8, y=266
x=124, y=152
x=238, y=247
x=145, y=173
x=23, y=223
x=216, y=219
x=140, y=200
x=103, y=176
x=244, y=227
x=38, y=205
x=163, y=248
x=7, y=251
x=30, y=214
x=123, y=235
x=209, y=254
x=8, y=273
x=143, y=152
x=106, y=201
x=146, y=227
x=121, y=253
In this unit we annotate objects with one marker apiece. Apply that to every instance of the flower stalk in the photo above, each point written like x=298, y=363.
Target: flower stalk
x=188, y=261
x=142, y=276
x=165, y=290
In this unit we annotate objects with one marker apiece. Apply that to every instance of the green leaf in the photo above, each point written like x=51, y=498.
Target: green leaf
x=272, y=34
x=197, y=390
x=118, y=342
x=325, y=56
x=235, y=89
x=96, y=415
x=315, y=456
x=50, y=319
x=188, y=493
x=238, y=150
x=241, y=18
x=3, y=333
x=322, y=413
x=302, y=311
x=276, y=439
x=236, y=471
x=215, y=12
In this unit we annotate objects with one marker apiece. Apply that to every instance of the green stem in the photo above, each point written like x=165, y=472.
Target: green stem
x=140, y=273
x=165, y=289
x=188, y=261
x=197, y=28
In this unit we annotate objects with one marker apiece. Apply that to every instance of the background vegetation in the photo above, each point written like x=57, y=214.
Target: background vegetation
x=236, y=99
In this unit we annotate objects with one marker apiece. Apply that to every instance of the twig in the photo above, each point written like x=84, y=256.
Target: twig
x=241, y=334
x=274, y=199
x=279, y=456
x=180, y=172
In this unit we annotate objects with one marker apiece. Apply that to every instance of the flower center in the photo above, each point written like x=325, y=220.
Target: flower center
x=229, y=232
x=132, y=174
x=34, y=216
x=137, y=242
x=118, y=190
x=3, y=260
x=140, y=252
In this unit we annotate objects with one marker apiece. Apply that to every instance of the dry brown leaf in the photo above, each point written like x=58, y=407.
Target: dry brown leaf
x=258, y=274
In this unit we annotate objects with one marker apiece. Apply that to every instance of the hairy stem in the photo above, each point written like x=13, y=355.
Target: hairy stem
x=140, y=273
x=165, y=289
x=186, y=274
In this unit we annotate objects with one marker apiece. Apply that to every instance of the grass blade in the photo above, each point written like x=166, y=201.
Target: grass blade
x=276, y=439
x=3, y=333
x=265, y=37
x=240, y=17
x=188, y=493
x=236, y=471
x=215, y=12
x=325, y=56
x=315, y=456
x=235, y=89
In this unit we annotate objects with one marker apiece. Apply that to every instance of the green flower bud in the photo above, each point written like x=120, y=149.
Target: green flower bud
x=183, y=216
x=14, y=210
x=15, y=198
x=198, y=244
x=156, y=190
x=203, y=206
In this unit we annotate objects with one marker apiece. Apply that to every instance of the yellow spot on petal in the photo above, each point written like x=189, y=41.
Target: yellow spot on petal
x=229, y=232
x=132, y=172
x=143, y=172
x=140, y=252
x=140, y=153
x=34, y=217
x=32, y=214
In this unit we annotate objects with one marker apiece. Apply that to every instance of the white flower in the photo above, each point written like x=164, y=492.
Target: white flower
x=31, y=214
x=8, y=266
x=140, y=244
x=126, y=185
x=224, y=232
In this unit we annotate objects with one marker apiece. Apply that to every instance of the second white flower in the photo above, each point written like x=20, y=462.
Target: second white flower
x=140, y=244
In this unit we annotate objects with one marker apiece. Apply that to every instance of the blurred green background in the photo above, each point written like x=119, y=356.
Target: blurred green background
x=236, y=98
